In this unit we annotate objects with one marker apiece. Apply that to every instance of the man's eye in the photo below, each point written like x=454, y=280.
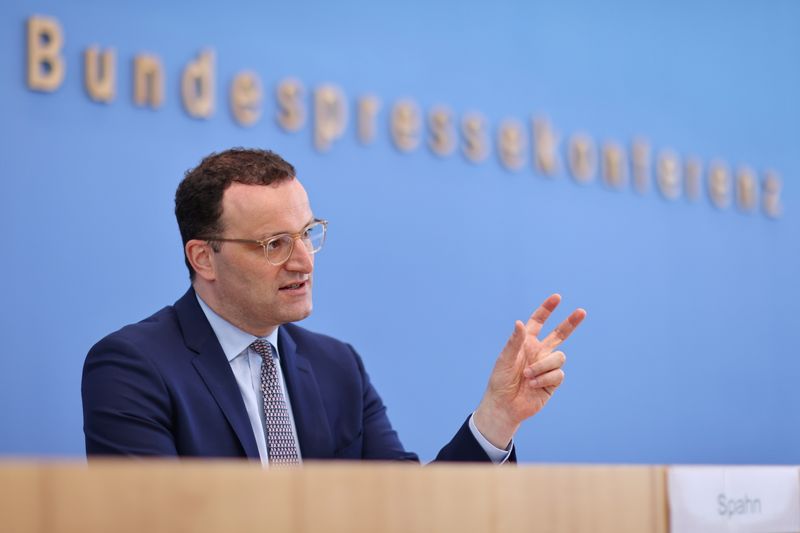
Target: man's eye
x=276, y=245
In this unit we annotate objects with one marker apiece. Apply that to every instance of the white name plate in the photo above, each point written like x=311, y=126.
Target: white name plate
x=752, y=499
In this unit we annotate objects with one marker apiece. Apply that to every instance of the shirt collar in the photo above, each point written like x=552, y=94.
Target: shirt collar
x=233, y=340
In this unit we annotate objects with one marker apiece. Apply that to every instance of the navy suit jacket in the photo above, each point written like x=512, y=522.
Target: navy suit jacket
x=163, y=387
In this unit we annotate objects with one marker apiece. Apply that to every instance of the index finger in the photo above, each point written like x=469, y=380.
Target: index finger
x=564, y=330
x=540, y=316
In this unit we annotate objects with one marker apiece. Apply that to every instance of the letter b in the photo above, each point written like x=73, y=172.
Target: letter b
x=45, y=64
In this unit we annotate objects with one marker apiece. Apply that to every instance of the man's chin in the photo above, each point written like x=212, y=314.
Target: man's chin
x=303, y=316
x=296, y=315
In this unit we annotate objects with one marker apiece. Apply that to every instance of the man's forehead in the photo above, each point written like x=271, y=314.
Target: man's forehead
x=272, y=207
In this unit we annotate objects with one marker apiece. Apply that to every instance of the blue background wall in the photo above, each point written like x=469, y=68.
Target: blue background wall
x=689, y=352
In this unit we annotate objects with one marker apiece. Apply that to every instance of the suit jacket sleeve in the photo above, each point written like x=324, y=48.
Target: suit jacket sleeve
x=464, y=448
x=380, y=441
x=126, y=405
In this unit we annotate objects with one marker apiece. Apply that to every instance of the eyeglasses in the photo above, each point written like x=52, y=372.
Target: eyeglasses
x=278, y=248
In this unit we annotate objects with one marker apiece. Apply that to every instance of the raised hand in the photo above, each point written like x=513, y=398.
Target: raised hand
x=526, y=374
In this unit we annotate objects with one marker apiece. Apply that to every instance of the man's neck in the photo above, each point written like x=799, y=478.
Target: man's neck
x=209, y=298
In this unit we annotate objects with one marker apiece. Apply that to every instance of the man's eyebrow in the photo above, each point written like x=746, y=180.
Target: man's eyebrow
x=271, y=235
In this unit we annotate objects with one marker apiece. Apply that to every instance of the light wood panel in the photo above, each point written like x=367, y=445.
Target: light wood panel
x=219, y=496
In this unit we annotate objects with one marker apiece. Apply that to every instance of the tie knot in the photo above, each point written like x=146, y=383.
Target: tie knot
x=262, y=348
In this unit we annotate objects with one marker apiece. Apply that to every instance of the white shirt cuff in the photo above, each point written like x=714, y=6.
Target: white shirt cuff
x=497, y=455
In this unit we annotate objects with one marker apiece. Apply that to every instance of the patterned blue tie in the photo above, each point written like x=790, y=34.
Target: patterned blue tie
x=281, y=445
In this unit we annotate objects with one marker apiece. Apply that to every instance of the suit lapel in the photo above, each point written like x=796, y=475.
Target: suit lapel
x=311, y=422
x=214, y=369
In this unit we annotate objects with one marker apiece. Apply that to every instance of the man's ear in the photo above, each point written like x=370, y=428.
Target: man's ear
x=199, y=255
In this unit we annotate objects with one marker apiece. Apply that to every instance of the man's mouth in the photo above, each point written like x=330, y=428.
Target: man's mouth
x=294, y=286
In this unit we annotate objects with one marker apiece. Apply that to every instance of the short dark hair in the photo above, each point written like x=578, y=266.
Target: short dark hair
x=198, y=200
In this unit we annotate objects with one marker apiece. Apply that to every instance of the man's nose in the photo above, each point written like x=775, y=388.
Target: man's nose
x=301, y=259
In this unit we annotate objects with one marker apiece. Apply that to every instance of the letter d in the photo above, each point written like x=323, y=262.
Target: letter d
x=197, y=86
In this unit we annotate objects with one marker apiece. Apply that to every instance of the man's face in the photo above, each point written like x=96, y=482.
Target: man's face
x=251, y=293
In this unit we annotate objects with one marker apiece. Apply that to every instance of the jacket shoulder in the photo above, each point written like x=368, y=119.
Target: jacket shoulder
x=159, y=329
x=303, y=336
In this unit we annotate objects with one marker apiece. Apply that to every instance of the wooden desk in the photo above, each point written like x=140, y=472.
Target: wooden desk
x=230, y=497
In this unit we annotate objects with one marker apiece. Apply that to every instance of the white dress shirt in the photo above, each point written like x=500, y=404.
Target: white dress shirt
x=246, y=366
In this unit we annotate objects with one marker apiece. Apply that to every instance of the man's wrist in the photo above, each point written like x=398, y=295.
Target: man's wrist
x=496, y=455
x=494, y=425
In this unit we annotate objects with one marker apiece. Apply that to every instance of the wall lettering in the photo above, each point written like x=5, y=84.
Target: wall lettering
x=535, y=144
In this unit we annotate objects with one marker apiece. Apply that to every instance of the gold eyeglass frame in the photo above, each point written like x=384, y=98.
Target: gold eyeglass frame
x=294, y=236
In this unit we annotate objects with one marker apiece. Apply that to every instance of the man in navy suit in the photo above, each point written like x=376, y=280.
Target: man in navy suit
x=224, y=372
